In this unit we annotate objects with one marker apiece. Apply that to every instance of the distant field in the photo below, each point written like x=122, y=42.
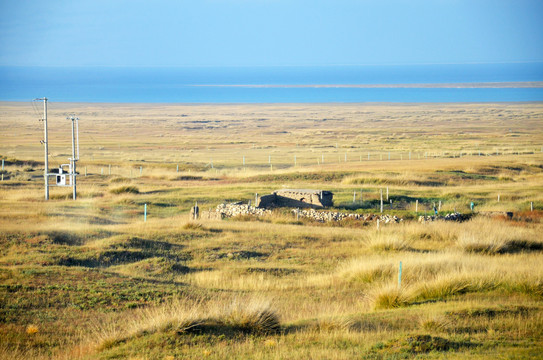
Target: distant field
x=90, y=279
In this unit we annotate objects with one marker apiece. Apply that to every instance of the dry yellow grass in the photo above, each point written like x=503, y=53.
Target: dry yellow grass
x=334, y=287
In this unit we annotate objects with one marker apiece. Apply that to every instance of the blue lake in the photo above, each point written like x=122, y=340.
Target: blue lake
x=192, y=85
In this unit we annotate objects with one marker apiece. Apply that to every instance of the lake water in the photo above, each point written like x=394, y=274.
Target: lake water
x=193, y=85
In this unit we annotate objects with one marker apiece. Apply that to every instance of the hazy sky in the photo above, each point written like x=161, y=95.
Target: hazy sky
x=268, y=32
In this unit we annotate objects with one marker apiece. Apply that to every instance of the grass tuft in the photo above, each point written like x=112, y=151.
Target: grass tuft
x=388, y=297
x=256, y=317
x=125, y=190
x=388, y=242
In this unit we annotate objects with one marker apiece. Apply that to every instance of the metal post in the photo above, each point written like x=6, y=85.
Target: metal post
x=368, y=156
x=294, y=160
x=144, y=212
x=381, y=200
x=354, y=196
x=141, y=170
x=256, y=199
x=177, y=170
x=387, y=193
x=416, y=205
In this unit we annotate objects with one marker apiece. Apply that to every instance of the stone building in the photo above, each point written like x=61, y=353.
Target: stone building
x=300, y=198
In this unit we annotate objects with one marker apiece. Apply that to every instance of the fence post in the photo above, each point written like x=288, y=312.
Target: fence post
x=144, y=212
x=417, y=205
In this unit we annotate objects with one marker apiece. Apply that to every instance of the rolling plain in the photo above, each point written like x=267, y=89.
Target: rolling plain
x=90, y=279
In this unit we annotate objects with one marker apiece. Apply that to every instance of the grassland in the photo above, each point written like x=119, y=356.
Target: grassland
x=89, y=279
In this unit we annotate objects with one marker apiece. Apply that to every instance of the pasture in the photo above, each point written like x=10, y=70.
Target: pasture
x=90, y=279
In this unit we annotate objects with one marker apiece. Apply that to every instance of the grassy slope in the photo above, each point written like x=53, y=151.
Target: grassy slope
x=89, y=279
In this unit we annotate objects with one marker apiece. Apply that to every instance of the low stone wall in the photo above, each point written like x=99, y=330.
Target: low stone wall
x=449, y=217
x=323, y=216
x=237, y=209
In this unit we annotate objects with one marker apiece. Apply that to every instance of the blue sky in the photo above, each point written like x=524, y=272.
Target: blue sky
x=268, y=32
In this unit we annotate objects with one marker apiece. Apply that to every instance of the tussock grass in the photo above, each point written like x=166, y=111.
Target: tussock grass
x=119, y=179
x=489, y=237
x=180, y=315
x=388, y=297
x=247, y=315
x=256, y=316
x=388, y=242
x=127, y=189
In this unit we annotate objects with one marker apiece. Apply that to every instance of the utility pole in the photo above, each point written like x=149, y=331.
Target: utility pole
x=73, y=176
x=46, y=147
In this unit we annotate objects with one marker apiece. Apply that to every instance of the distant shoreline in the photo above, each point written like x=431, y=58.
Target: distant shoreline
x=480, y=85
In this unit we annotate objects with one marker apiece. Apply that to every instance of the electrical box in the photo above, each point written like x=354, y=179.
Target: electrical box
x=61, y=177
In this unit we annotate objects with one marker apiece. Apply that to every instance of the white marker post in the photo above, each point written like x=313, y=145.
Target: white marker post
x=381, y=190
x=144, y=212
